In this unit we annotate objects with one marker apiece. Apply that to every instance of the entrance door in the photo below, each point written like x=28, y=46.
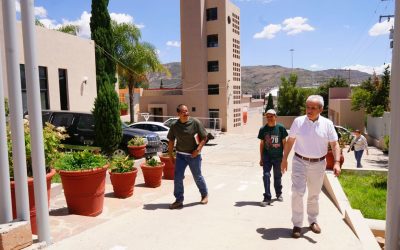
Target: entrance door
x=214, y=123
x=157, y=112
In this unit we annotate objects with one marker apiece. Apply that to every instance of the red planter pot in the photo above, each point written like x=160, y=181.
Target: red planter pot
x=84, y=190
x=152, y=175
x=123, y=111
x=330, y=160
x=169, y=168
x=32, y=206
x=137, y=151
x=123, y=183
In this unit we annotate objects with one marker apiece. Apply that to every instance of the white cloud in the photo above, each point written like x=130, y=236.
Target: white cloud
x=38, y=11
x=296, y=25
x=368, y=69
x=174, y=44
x=124, y=18
x=315, y=66
x=268, y=32
x=382, y=28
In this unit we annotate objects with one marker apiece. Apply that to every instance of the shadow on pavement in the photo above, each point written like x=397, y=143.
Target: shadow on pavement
x=156, y=206
x=63, y=211
x=247, y=203
x=284, y=233
x=211, y=144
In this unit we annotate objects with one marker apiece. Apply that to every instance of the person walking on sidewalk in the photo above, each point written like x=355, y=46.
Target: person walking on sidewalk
x=312, y=133
x=190, y=136
x=272, y=140
x=360, y=144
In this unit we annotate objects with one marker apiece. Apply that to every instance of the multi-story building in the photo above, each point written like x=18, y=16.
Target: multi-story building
x=210, y=61
x=67, y=69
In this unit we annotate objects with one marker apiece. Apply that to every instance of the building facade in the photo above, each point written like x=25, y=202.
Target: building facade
x=211, y=69
x=67, y=69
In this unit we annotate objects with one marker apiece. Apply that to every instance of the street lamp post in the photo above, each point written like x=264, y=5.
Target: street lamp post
x=291, y=52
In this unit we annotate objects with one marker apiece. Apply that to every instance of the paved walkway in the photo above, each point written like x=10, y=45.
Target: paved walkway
x=233, y=218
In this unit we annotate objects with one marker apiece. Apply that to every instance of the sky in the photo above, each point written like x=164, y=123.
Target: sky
x=311, y=34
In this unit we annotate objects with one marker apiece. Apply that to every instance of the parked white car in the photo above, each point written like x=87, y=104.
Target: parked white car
x=156, y=127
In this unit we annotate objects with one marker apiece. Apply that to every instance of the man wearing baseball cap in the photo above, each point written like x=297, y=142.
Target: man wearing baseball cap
x=272, y=140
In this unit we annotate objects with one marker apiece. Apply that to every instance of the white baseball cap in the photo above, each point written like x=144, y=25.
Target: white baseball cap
x=271, y=111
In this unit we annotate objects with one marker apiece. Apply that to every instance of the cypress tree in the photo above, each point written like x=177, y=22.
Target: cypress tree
x=106, y=117
x=100, y=27
x=270, y=103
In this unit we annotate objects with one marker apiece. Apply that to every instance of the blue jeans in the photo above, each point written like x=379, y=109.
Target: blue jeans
x=275, y=165
x=358, y=154
x=182, y=161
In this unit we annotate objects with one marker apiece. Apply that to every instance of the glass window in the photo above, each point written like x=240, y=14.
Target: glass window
x=212, y=41
x=62, y=120
x=86, y=122
x=212, y=14
x=213, y=66
x=44, y=91
x=213, y=89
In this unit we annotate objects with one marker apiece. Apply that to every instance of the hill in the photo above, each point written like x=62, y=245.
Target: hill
x=263, y=77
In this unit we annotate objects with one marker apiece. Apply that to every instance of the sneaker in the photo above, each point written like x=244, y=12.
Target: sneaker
x=265, y=203
x=176, y=205
x=279, y=198
x=296, y=232
x=315, y=228
x=204, y=200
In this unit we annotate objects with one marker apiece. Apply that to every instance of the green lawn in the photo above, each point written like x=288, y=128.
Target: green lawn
x=366, y=192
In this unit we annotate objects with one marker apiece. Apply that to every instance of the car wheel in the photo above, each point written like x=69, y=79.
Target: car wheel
x=119, y=152
x=164, y=146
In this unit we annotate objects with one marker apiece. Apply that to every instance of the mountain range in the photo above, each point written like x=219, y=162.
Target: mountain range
x=264, y=77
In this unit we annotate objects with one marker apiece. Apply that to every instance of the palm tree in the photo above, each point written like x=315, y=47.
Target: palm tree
x=135, y=59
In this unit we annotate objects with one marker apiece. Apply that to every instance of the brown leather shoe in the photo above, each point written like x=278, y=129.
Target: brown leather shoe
x=315, y=228
x=204, y=200
x=176, y=205
x=296, y=232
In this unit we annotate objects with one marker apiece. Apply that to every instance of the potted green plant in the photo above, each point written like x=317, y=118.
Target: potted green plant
x=152, y=171
x=52, y=138
x=123, y=175
x=169, y=168
x=137, y=147
x=83, y=176
x=123, y=108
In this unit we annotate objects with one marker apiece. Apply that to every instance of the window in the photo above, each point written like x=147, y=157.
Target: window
x=213, y=89
x=44, y=90
x=212, y=14
x=86, y=122
x=62, y=120
x=63, y=86
x=212, y=41
x=214, y=123
x=213, y=66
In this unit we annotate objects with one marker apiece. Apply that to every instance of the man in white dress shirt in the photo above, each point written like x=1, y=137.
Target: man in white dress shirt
x=312, y=133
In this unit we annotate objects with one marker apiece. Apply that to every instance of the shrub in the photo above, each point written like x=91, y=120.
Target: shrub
x=79, y=160
x=123, y=106
x=121, y=164
x=153, y=161
x=137, y=141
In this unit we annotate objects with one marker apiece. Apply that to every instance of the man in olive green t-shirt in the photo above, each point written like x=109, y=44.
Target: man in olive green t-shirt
x=272, y=140
x=190, y=136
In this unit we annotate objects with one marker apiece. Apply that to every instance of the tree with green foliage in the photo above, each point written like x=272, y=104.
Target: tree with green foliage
x=291, y=99
x=373, y=95
x=101, y=32
x=323, y=90
x=108, y=126
x=135, y=59
x=69, y=29
x=270, y=103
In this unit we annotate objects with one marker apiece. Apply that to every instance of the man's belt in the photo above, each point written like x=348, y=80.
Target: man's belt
x=309, y=159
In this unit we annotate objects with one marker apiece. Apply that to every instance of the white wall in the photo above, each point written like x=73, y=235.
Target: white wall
x=377, y=127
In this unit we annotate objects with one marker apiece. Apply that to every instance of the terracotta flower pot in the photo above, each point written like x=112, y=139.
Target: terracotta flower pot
x=137, y=151
x=84, y=190
x=152, y=175
x=330, y=160
x=123, y=183
x=169, y=168
x=32, y=206
x=123, y=111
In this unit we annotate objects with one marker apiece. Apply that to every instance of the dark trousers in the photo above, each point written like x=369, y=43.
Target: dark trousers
x=358, y=154
x=275, y=165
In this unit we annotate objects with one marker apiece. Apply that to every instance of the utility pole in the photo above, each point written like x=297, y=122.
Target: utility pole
x=291, y=52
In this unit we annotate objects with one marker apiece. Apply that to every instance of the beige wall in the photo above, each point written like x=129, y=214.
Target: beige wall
x=56, y=50
x=341, y=114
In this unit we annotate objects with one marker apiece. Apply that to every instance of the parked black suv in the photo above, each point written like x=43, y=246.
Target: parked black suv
x=80, y=128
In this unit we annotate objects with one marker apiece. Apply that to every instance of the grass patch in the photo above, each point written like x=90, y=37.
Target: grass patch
x=366, y=192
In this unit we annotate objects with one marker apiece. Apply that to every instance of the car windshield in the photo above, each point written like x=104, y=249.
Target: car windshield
x=124, y=125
